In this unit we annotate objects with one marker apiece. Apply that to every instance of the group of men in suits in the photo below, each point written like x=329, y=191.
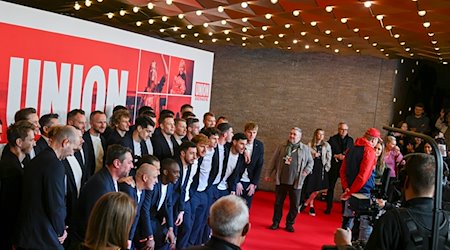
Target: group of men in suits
x=173, y=172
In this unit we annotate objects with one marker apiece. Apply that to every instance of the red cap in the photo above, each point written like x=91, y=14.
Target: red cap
x=374, y=133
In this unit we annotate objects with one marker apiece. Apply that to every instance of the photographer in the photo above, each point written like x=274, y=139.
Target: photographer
x=408, y=227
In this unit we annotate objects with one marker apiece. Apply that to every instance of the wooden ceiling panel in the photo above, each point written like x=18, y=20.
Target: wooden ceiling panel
x=245, y=23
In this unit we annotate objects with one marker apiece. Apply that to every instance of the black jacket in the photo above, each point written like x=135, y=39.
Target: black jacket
x=254, y=168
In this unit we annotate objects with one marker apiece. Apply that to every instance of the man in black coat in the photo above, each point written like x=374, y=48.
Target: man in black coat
x=164, y=143
x=43, y=208
x=46, y=122
x=229, y=222
x=21, y=141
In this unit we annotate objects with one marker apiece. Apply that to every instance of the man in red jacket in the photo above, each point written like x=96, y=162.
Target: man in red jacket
x=358, y=176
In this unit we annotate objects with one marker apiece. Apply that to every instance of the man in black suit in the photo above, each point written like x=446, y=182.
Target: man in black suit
x=209, y=121
x=193, y=128
x=164, y=143
x=180, y=130
x=21, y=141
x=43, y=209
x=46, y=122
x=160, y=203
x=145, y=180
x=249, y=175
x=119, y=161
x=95, y=142
x=229, y=221
x=135, y=140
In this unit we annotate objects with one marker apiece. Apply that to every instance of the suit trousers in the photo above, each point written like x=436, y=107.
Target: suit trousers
x=281, y=191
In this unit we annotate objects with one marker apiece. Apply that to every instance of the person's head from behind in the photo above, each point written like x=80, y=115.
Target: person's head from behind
x=229, y=219
x=420, y=176
x=110, y=222
x=119, y=160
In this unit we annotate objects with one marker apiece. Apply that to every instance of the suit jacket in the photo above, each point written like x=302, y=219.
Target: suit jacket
x=127, y=141
x=339, y=146
x=212, y=174
x=215, y=244
x=98, y=185
x=132, y=192
x=255, y=166
x=180, y=188
x=161, y=147
x=88, y=149
x=149, y=210
x=71, y=187
x=113, y=138
x=234, y=178
x=11, y=173
x=41, y=145
x=43, y=208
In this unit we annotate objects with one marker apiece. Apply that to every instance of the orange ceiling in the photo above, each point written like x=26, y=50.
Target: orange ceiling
x=387, y=29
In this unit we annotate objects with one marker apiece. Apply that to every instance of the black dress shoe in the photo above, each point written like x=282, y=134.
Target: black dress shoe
x=274, y=226
x=290, y=228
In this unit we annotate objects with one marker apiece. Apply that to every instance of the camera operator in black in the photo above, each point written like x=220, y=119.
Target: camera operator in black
x=409, y=227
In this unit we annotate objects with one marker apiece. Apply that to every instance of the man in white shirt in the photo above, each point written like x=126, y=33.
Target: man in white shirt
x=95, y=143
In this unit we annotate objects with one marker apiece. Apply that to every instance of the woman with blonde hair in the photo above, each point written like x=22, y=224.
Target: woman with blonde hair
x=392, y=155
x=110, y=222
x=317, y=181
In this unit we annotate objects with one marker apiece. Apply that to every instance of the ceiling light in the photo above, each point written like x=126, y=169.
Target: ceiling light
x=135, y=9
x=445, y=63
x=220, y=9
x=339, y=39
x=289, y=47
x=381, y=49
x=268, y=16
x=422, y=12
x=276, y=42
x=329, y=9
x=431, y=34
x=295, y=41
x=210, y=33
x=181, y=16
x=327, y=32
x=243, y=44
x=380, y=17
x=244, y=38
x=150, y=6
x=357, y=51
x=122, y=12
x=244, y=29
x=190, y=26
x=374, y=44
x=261, y=36
x=214, y=40
x=396, y=36
x=316, y=40
x=274, y=1
x=366, y=37
x=367, y=4
x=303, y=33
x=99, y=1
x=168, y=2
x=161, y=30
x=223, y=22
x=198, y=12
x=183, y=35
x=280, y=35
x=110, y=15
x=77, y=6
x=402, y=43
x=138, y=23
x=407, y=49
x=349, y=45
x=244, y=5
x=336, y=51
x=436, y=48
x=306, y=46
x=344, y=20
x=205, y=25
x=264, y=28
x=434, y=42
x=426, y=24
x=164, y=18
x=327, y=46
x=226, y=32
x=386, y=54
x=196, y=34
x=228, y=39
x=296, y=12
x=389, y=27
x=412, y=54
x=244, y=19
x=200, y=41
x=355, y=30
x=287, y=26
x=313, y=23
x=88, y=3
x=151, y=21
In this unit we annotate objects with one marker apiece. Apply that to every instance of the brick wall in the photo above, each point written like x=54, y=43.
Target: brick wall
x=280, y=90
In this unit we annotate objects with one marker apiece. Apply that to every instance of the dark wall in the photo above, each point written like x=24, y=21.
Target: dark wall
x=280, y=90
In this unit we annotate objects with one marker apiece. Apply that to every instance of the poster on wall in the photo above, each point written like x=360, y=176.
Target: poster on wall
x=55, y=63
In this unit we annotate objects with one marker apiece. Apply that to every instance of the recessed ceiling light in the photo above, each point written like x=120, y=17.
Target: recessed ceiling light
x=407, y=49
x=122, y=12
x=183, y=35
x=205, y=25
x=164, y=18
x=313, y=23
x=244, y=5
x=434, y=42
x=316, y=40
x=244, y=19
x=214, y=40
x=374, y=44
x=281, y=35
x=306, y=46
x=296, y=12
x=327, y=32
x=198, y=12
x=329, y=9
x=396, y=36
x=220, y=9
x=200, y=41
x=349, y=45
x=445, y=63
x=168, y=2
x=210, y=33
x=88, y=3
x=327, y=45
x=274, y=1
x=110, y=15
x=150, y=6
x=303, y=33
x=189, y=26
x=244, y=29
x=261, y=36
x=196, y=34
x=244, y=44
x=344, y=20
x=336, y=50
x=135, y=9
x=223, y=22
x=181, y=16
x=367, y=4
x=402, y=43
x=357, y=51
x=381, y=49
x=386, y=54
x=436, y=48
x=355, y=30
x=389, y=27
x=151, y=21
x=228, y=39
x=244, y=38
x=339, y=39
x=264, y=28
x=268, y=16
x=366, y=37
x=276, y=42
x=421, y=12
x=380, y=17
x=161, y=30
x=426, y=24
x=77, y=6
x=226, y=32
x=295, y=41
x=289, y=47
x=138, y=23
x=431, y=34
x=287, y=26
x=412, y=54
x=175, y=28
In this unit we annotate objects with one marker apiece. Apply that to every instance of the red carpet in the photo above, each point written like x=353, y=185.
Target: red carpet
x=310, y=232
